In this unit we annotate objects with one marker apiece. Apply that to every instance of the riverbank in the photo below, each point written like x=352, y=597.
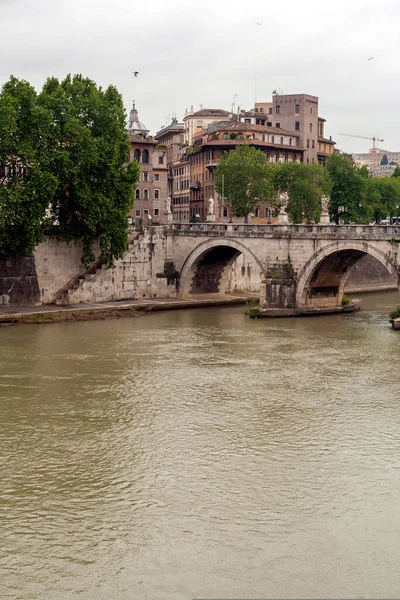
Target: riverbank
x=52, y=313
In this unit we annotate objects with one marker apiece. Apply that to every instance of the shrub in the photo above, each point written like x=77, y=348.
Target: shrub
x=395, y=314
x=345, y=300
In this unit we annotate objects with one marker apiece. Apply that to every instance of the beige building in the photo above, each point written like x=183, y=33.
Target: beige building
x=152, y=187
x=173, y=137
x=196, y=122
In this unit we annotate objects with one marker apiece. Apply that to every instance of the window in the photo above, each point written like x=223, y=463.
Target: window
x=225, y=212
x=199, y=123
x=145, y=212
x=311, y=110
x=297, y=125
x=137, y=194
x=156, y=194
x=308, y=160
x=297, y=109
x=145, y=156
x=257, y=213
x=270, y=110
x=256, y=109
x=160, y=160
x=310, y=127
x=277, y=110
x=267, y=212
x=278, y=125
x=247, y=120
x=281, y=141
x=136, y=155
x=290, y=141
x=156, y=177
x=138, y=212
x=156, y=212
x=313, y=144
x=308, y=143
x=226, y=136
x=145, y=194
x=145, y=175
x=261, y=110
x=272, y=139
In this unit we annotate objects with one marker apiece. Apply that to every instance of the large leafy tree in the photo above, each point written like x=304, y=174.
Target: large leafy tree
x=387, y=190
x=305, y=184
x=88, y=155
x=26, y=184
x=351, y=189
x=246, y=179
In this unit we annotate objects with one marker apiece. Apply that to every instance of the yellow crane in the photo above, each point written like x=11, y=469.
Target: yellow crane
x=374, y=140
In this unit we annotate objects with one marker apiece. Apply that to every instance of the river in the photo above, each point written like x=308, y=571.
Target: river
x=199, y=454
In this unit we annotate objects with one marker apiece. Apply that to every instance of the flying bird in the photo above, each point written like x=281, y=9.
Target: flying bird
x=370, y=58
x=258, y=23
x=136, y=73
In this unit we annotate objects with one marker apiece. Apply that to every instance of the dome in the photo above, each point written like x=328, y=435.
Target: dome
x=135, y=126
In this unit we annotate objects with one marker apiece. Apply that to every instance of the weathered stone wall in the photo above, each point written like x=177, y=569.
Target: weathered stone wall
x=368, y=272
x=141, y=273
x=18, y=281
x=56, y=264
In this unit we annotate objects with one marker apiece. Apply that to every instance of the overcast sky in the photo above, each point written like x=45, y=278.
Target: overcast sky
x=203, y=53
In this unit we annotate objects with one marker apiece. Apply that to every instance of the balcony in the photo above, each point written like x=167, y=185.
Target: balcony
x=195, y=185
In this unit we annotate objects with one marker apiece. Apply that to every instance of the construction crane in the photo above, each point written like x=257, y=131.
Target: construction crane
x=374, y=140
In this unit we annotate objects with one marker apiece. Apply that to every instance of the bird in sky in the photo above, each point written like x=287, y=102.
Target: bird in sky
x=258, y=23
x=370, y=58
x=136, y=73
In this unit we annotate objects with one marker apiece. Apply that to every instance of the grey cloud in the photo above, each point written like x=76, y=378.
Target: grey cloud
x=205, y=52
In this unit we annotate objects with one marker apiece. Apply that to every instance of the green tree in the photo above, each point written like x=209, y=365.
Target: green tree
x=388, y=190
x=88, y=155
x=305, y=184
x=396, y=172
x=351, y=189
x=384, y=160
x=245, y=178
x=26, y=185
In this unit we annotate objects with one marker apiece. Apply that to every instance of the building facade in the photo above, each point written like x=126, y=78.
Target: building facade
x=196, y=122
x=299, y=113
x=278, y=145
x=152, y=188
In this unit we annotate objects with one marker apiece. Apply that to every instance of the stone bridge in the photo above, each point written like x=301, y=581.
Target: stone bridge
x=297, y=266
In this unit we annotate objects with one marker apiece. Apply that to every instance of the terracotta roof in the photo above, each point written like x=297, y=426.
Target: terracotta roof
x=325, y=140
x=251, y=142
x=244, y=127
x=210, y=112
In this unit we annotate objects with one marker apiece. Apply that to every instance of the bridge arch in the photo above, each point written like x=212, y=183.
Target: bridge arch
x=321, y=282
x=209, y=266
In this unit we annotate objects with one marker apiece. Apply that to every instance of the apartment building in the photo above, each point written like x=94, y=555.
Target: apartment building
x=277, y=144
x=152, y=187
x=299, y=113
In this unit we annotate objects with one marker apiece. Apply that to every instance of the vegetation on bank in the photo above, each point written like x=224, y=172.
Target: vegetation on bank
x=64, y=167
x=395, y=314
x=246, y=179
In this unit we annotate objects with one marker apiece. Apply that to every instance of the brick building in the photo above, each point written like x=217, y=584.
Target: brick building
x=278, y=145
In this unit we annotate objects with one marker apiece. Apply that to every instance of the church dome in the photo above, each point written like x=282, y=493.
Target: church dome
x=135, y=126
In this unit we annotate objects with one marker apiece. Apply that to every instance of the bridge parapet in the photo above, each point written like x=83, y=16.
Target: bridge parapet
x=371, y=232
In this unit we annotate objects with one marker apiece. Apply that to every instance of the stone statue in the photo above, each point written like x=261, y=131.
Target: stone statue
x=325, y=204
x=168, y=205
x=284, y=201
x=211, y=205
